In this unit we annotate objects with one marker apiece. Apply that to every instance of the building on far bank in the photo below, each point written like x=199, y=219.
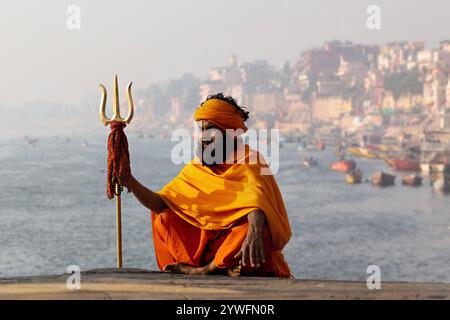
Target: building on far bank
x=435, y=146
x=447, y=94
x=210, y=87
x=374, y=87
x=329, y=87
x=262, y=103
x=395, y=56
x=352, y=72
x=330, y=109
x=444, y=45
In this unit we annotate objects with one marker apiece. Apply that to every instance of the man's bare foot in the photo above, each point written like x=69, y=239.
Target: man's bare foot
x=235, y=271
x=182, y=268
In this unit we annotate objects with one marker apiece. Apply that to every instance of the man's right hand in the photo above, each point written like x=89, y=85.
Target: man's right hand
x=252, y=250
x=127, y=182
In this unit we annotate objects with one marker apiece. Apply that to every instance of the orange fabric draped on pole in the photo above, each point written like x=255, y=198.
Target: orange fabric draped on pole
x=118, y=165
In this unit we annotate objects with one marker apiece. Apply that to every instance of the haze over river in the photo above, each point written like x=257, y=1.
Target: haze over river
x=54, y=213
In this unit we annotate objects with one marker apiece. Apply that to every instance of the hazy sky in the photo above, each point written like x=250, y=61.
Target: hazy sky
x=150, y=41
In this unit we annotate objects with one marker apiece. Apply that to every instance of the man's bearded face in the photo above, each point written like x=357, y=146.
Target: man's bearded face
x=211, y=147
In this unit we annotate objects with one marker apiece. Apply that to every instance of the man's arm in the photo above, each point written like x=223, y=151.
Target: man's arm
x=253, y=246
x=145, y=196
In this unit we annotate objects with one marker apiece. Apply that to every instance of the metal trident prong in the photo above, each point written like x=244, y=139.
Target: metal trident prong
x=116, y=107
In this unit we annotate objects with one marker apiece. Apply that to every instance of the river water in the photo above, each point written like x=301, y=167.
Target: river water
x=54, y=213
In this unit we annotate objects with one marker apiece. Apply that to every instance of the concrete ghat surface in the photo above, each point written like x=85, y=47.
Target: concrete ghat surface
x=143, y=284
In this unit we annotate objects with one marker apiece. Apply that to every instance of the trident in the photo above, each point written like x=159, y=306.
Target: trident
x=117, y=118
x=116, y=108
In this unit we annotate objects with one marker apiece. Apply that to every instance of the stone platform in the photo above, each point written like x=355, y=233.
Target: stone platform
x=144, y=284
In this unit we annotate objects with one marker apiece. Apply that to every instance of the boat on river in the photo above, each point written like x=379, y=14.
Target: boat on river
x=362, y=153
x=310, y=161
x=413, y=180
x=320, y=145
x=343, y=165
x=430, y=168
x=406, y=164
x=442, y=184
x=354, y=177
x=383, y=179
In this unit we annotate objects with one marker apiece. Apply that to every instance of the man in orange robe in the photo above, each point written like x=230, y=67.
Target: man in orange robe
x=219, y=216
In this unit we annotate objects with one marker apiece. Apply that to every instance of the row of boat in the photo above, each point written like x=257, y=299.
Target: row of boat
x=383, y=179
x=395, y=159
x=380, y=178
x=400, y=164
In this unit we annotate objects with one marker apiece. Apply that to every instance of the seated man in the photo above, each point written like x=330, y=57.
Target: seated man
x=219, y=217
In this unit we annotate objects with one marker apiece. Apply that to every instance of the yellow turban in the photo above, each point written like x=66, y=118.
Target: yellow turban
x=221, y=113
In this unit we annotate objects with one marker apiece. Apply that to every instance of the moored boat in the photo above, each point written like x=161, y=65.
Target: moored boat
x=343, y=165
x=321, y=145
x=442, y=184
x=438, y=167
x=340, y=154
x=362, y=152
x=354, y=151
x=389, y=156
x=430, y=168
x=425, y=168
x=406, y=165
x=385, y=148
x=354, y=177
x=383, y=179
x=389, y=161
x=412, y=180
x=310, y=161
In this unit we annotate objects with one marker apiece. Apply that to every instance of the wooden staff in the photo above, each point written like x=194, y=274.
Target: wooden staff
x=106, y=121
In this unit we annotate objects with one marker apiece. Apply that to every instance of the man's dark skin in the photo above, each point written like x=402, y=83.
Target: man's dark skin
x=252, y=250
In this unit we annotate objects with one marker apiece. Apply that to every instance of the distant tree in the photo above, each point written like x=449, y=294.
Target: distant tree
x=403, y=83
x=351, y=92
x=306, y=95
x=286, y=73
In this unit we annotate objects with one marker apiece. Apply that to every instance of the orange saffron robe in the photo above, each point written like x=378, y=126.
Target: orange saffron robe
x=207, y=216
